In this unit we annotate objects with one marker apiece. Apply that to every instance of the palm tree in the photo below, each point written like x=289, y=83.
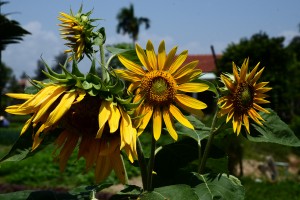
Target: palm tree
x=129, y=23
x=10, y=32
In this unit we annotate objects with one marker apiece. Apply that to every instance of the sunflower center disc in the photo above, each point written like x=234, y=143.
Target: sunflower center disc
x=159, y=87
x=243, y=99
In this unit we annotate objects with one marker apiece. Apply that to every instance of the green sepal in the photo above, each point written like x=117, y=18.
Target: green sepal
x=100, y=37
x=53, y=73
x=75, y=70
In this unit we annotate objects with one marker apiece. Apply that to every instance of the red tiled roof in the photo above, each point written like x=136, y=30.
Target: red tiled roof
x=206, y=62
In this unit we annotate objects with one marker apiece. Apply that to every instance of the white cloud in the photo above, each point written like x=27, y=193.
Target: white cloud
x=22, y=57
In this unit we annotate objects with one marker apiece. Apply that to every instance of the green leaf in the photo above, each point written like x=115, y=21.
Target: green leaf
x=201, y=131
x=22, y=147
x=174, y=192
x=211, y=88
x=218, y=187
x=274, y=130
x=217, y=165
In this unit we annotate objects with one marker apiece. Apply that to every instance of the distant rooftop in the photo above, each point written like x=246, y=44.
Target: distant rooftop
x=206, y=62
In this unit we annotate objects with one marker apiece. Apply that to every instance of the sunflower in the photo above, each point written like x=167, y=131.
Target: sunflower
x=159, y=84
x=101, y=128
x=77, y=30
x=244, y=96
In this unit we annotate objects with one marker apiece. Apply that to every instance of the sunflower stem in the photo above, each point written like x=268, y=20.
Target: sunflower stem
x=151, y=164
x=142, y=163
x=103, y=66
x=126, y=175
x=208, y=144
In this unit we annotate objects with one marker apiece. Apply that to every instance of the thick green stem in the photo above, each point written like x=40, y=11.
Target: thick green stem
x=142, y=163
x=103, y=66
x=208, y=144
x=151, y=164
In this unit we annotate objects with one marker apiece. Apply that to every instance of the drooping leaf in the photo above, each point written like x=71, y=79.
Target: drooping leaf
x=201, y=131
x=22, y=148
x=218, y=187
x=274, y=130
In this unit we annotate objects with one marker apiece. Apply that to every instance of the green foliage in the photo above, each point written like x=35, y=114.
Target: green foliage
x=274, y=130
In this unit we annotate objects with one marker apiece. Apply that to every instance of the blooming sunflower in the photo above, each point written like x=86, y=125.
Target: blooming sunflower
x=159, y=84
x=100, y=127
x=244, y=96
x=77, y=30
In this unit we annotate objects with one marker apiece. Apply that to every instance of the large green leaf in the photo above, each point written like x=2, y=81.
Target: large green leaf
x=201, y=131
x=174, y=192
x=218, y=187
x=22, y=147
x=274, y=130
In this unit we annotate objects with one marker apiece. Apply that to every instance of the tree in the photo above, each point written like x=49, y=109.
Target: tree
x=60, y=59
x=272, y=55
x=5, y=74
x=39, y=75
x=129, y=23
x=13, y=34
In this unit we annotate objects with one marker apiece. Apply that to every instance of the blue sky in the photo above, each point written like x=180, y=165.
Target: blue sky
x=191, y=24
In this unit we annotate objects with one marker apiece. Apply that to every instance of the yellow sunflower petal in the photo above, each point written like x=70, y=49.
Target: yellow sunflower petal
x=235, y=72
x=169, y=124
x=177, y=114
x=252, y=73
x=157, y=123
x=257, y=76
x=169, y=59
x=186, y=69
x=143, y=58
x=47, y=104
x=131, y=66
x=128, y=75
x=189, y=76
x=114, y=118
x=147, y=113
x=178, y=62
x=20, y=96
x=126, y=127
x=161, y=55
x=244, y=70
x=188, y=109
x=26, y=125
x=228, y=83
x=134, y=86
x=257, y=107
x=193, y=87
x=190, y=101
x=104, y=113
x=151, y=55
x=64, y=105
x=246, y=123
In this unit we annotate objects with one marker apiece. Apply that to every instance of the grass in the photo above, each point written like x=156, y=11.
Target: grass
x=287, y=189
